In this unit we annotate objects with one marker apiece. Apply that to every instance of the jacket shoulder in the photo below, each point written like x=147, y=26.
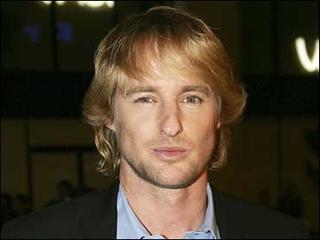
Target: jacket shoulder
x=68, y=219
x=252, y=220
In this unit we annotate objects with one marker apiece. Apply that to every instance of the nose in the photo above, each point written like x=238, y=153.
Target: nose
x=170, y=120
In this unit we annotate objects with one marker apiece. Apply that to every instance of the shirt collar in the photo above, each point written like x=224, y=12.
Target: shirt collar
x=129, y=226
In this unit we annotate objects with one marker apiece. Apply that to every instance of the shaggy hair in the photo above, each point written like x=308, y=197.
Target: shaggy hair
x=162, y=38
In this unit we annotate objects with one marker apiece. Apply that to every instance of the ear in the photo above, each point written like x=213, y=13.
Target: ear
x=218, y=124
x=110, y=124
x=112, y=127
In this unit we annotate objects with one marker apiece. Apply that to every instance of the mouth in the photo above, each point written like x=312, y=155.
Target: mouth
x=170, y=152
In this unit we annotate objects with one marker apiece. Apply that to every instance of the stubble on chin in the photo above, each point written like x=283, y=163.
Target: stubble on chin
x=156, y=178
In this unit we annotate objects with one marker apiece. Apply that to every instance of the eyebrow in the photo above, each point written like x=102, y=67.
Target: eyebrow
x=139, y=89
x=192, y=88
x=197, y=88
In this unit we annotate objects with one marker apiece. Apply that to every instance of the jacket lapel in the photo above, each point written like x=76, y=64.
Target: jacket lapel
x=102, y=225
x=227, y=220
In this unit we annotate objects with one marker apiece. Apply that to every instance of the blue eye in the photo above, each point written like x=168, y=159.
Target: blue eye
x=192, y=100
x=144, y=100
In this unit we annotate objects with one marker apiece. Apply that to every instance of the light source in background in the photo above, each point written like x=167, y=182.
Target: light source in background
x=309, y=64
x=96, y=4
x=49, y=2
x=92, y=4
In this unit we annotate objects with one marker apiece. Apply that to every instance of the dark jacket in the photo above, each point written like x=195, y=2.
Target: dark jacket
x=94, y=216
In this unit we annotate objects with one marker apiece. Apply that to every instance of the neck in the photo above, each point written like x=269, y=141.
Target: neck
x=168, y=212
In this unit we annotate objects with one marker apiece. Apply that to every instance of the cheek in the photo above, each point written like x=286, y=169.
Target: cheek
x=202, y=133
x=206, y=138
x=209, y=140
x=133, y=129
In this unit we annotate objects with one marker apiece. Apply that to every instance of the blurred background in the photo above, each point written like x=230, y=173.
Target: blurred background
x=47, y=150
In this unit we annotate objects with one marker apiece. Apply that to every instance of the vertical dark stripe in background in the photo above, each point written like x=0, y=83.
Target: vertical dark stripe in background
x=279, y=96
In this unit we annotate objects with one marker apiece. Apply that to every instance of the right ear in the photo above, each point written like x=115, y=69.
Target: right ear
x=112, y=127
x=218, y=124
x=110, y=124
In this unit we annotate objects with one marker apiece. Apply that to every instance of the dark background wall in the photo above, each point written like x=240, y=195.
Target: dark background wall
x=47, y=64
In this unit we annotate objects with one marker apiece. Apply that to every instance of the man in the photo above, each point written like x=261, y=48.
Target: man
x=161, y=104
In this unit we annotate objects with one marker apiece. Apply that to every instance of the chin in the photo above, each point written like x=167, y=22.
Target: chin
x=173, y=179
x=168, y=174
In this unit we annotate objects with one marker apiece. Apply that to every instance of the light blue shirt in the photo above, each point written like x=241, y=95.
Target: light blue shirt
x=130, y=227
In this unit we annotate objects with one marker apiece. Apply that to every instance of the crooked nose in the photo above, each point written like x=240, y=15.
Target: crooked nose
x=171, y=123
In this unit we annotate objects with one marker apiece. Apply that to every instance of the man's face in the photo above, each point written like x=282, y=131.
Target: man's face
x=166, y=129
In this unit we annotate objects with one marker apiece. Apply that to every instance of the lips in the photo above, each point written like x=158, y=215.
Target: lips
x=171, y=152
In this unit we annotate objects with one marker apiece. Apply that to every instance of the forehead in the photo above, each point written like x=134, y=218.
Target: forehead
x=167, y=82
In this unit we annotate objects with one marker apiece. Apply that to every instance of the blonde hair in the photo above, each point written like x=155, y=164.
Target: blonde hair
x=162, y=38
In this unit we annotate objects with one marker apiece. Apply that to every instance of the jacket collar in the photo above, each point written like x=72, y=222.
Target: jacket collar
x=104, y=224
x=229, y=223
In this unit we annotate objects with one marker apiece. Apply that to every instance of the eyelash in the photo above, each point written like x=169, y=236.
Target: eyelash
x=146, y=100
x=198, y=100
